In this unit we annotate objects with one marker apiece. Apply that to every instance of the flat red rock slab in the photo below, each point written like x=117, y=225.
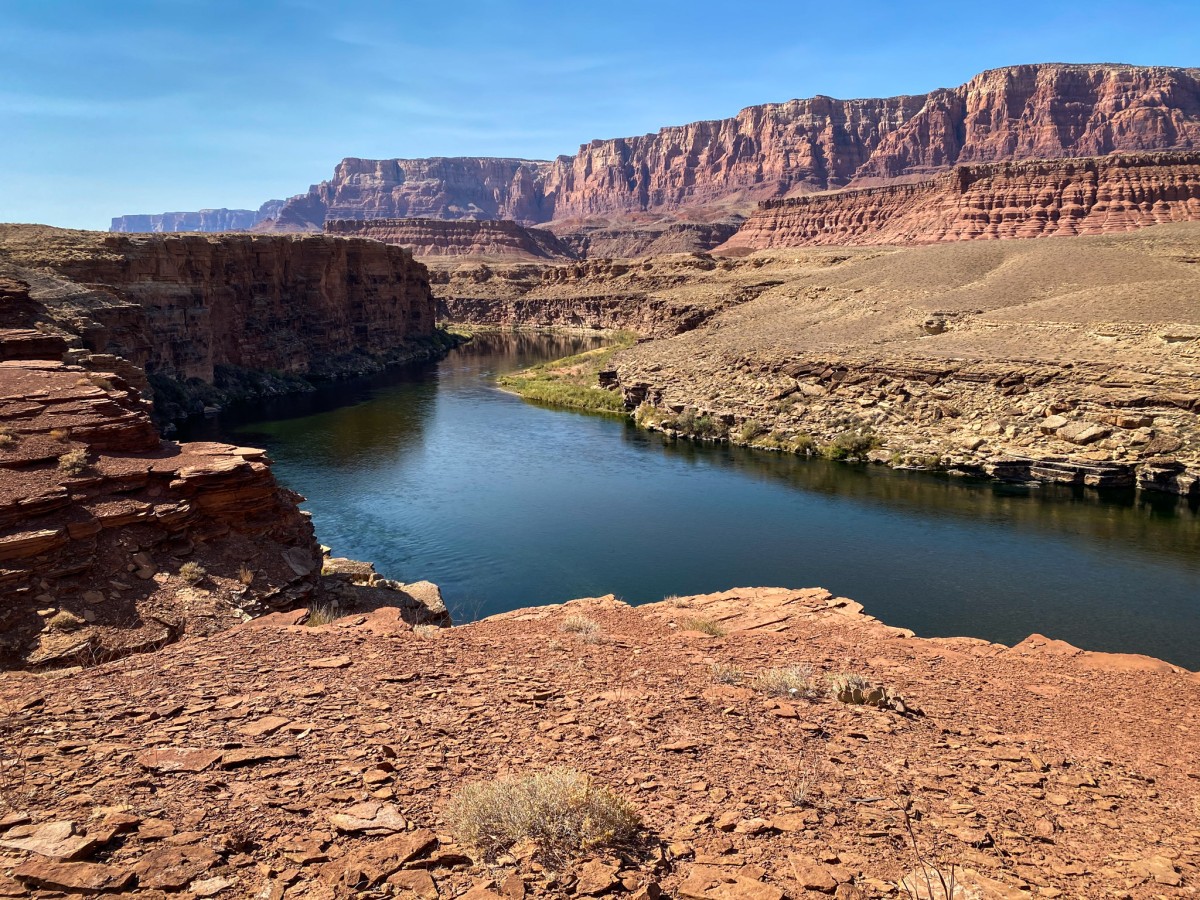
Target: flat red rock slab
x=178, y=759
x=54, y=839
x=74, y=877
x=250, y=755
x=330, y=662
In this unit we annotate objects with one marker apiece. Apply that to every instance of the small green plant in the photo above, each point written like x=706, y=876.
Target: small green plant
x=795, y=682
x=852, y=444
x=192, y=572
x=804, y=444
x=703, y=625
x=321, y=614
x=73, y=462
x=723, y=673
x=561, y=812
x=751, y=430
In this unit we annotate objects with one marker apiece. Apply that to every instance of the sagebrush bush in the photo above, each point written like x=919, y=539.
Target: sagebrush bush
x=563, y=813
x=73, y=462
x=192, y=572
x=791, y=681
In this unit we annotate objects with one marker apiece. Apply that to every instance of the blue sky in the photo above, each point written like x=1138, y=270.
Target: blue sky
x=123, y=106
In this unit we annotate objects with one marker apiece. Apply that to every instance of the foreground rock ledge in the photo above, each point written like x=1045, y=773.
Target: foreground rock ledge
x=282, y=761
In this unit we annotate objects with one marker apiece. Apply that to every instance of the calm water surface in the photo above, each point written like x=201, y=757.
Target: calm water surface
x=432, y=472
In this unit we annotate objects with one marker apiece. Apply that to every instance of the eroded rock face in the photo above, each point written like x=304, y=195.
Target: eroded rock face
x=439, y=237
x=439, y=188
x=197, y=306
x=113, y=541
x=989, y=202
x=209, y=220
x=782, y=149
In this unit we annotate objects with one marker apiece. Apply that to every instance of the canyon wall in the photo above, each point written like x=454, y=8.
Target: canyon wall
x=438, y=188
x=198, y=307
x=989, y=201
x=439, y=237
x=781, y=149
x=204, y=220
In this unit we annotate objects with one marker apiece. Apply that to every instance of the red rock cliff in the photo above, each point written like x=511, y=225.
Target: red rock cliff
x=989, y=201
x=182, y=306
x=780, y=149
x=438, y=237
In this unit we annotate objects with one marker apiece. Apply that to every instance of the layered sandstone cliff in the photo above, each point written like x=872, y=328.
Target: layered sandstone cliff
x=439, y=237
x=989, y=201
x=204, y=220
x=210, y=309
x=781, y=149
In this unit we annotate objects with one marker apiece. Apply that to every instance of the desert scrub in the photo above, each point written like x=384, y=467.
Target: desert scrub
x=65, y=621
x=723, y=673
x=852, y=444
x=751, y=430
x=705, y=626
x=561, y=812
x=581, y=625
x=73, y=462
x=7, y=437
x=321, y=614
x=572, y=382
x=795, y=682
x=246, y=575
x=192, y=572
x=59, y=434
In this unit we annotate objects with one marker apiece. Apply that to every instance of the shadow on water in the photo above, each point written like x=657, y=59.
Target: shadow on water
x=432, y=472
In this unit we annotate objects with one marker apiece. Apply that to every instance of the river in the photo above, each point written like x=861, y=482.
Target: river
x=432, y=472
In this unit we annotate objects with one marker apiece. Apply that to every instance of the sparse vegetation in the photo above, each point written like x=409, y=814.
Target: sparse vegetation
x=573, y=382
x=703, y=625
x=561, y=812
x=322, y=614
x=852, y=444
x=60, y=434
x=723, y=673
x=586, y=628
x=192, y=572
x=246, y=575
x=7, y=436
x=751, y=430
x=848, y=684
x=73, y=462
x=795, y=682
x=426, y=630
x=64, y=620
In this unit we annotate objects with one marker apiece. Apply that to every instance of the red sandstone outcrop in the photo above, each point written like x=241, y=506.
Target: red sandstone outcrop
x=989, y=201
x=782, y=149
x=441, y=188
x=466, y=237
x=196, y=306
x=100, y=519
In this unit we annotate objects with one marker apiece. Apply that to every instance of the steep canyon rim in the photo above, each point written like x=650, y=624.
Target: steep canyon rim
x=435, y=473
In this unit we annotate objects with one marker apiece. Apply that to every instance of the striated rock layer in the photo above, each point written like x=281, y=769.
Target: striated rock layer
x=989, y=201
x=210, y=309
x=344, y=746
x=777, y=150
x=439, y=237
x=209, y=220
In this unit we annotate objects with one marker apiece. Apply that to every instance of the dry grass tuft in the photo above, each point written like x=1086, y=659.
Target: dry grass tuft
x=795, y=682
x=60, y=434
x=705, y=626
x=192, y=572
x=73, y=462
x=321, y=614
x=563, y=813
x=723, y=673
x=246, y=576
x=587, y=629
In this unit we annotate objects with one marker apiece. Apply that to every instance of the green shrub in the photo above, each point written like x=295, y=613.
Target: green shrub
x=192, y=572
x=73, y=462
x=854, y=443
